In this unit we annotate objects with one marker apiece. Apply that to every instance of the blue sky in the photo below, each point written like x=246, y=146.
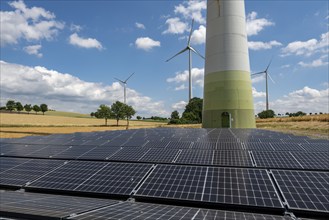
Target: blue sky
x=67, y=53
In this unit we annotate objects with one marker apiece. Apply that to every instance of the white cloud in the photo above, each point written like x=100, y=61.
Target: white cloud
x=146, y=43
x=31, y=24
x=306, y=99
x=199, y=36
x=181, y=87
x=85, y=42
x=63, y=91
x=314, y=63
x=258, y=78
x=309, y=47
x=175, y=26
x=192, y=9
x=258, y=45
x=140, y=25
x=285, y=66
x=181, y=77
x=75, y=28
x=257, y=94
x=179, y=105
x=33, y=50
x=256, y=25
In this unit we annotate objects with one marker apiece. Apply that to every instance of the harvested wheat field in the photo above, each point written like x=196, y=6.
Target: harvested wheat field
x=20, y=125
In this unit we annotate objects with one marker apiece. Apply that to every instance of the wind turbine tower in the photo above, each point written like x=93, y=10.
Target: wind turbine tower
x=228, y=100
x=124, y=83
x=190, y=50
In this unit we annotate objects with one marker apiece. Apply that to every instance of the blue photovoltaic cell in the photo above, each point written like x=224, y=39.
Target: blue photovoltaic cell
x=304, y=190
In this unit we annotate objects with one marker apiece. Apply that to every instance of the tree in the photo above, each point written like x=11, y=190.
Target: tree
x=266, y=114
x=195, y=107
x=36, y=108
x=28, y=108
x=92, y=114
x=19, y=106
x=11, y=104
x=43, y=108
x=128, y=111
x=104, y=112
x=117, y=111
x=139, y=117
x=174, y=115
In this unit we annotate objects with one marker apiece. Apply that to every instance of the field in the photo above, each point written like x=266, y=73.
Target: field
x=20, y=125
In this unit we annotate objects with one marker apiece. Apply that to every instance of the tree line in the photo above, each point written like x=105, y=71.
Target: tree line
x=12, y=105
x=117, y=111
x=191, y=115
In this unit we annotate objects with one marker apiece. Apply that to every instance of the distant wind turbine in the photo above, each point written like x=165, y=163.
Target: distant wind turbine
x=267, y=75
x=124, y=86
x=189, y=48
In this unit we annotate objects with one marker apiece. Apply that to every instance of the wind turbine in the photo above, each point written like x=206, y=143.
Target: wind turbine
x=189, y=48
x=124, y=86
x=267, y=75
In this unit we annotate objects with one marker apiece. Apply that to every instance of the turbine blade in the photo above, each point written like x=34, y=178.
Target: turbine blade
x=119, y=80
x=268, y=66
x=129, y=77
x=271, y=78
x=189, y=38
x=180, y=52
x=196, y=52
x=258, y=73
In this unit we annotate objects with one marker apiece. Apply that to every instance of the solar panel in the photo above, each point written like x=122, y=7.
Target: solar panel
x=287, y=147
x=211, y=184
x=229, y=146
x=157, y=144
x=195, y=156
x=94, y=177
x=134, y=143
x=204, y=145
x=270, y=159
x=312, y=160
x=7, y=163
x=147, y=211
x=316, y=147
x=179, y=145
x=304, y=190
x=232, y=158
x=27, y=172
x=251, y=187
x=159, y=155
x=258, y=146
x=48, y=151
x=99, y=153
x=73, y=152
x=24, y=205
x=21, y=149
x=129, y=154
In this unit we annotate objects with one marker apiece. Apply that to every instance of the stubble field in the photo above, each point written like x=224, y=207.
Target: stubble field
x=20, y=125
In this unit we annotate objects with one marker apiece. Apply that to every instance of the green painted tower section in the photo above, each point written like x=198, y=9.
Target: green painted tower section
x=228, y=100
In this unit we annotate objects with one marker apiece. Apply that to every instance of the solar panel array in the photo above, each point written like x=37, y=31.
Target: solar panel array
x=267, y=175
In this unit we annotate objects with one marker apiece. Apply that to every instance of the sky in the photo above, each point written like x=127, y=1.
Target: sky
x=67, y=53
